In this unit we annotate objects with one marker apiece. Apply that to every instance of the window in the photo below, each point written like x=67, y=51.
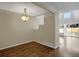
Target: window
x=67, y=15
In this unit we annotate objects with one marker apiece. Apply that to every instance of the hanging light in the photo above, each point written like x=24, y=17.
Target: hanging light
x=25, y=17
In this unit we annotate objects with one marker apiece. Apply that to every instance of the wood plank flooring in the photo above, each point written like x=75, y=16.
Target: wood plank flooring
x=31, y=49
x=34, y=49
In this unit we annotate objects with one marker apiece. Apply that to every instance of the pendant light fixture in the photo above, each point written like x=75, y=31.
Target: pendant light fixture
x=25, y=17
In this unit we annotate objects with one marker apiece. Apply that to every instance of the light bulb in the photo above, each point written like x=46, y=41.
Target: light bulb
x=25, y=18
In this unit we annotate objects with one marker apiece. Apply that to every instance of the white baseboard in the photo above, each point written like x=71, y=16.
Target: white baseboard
x=49, y=44
x=56, y=46
x=14, y=45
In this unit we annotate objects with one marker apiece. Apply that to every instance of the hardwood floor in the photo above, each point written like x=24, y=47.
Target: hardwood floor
x=34, y=49
x=31, y=49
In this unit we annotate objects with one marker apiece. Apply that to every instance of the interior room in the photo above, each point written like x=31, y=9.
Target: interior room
x=39, y=29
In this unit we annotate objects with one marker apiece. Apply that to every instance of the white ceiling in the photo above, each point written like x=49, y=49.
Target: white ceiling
x=62, y=6
x=35, y=10
x=18, y=7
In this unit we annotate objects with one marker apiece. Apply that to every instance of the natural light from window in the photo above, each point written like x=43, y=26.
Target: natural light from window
x=67, y=15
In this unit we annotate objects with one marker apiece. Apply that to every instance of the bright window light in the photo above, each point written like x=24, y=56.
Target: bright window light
x=67, y=15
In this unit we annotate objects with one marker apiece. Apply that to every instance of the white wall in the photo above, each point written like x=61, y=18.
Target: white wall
x=14, y=31
x=57, y=19
x=46, y=33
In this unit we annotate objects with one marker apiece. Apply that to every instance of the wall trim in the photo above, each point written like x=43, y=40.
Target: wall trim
x=57, y=46
x=49, y=44
x=14, y=45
